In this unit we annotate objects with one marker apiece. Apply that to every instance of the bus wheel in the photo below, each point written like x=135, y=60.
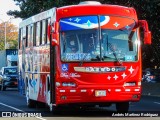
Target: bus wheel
x=122, y=107
x=30, y=103
x=55, y=109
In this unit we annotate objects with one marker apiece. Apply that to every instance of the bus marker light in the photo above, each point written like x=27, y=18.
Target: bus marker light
x=84, y=90
x=127, y=90
x=136, y=90
x=72, y=90
x=117, y=90
x=62, y=91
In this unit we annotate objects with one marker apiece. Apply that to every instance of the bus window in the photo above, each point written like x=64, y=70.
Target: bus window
x=34, y=34
x=30, y=35
x=48, y=23
x=44, y=32
x=38, y=34
x=26, y=36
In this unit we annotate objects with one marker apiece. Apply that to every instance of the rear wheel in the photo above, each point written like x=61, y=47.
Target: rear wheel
x=122, y=107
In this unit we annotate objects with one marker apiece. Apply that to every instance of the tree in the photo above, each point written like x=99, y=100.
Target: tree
x=11, y=35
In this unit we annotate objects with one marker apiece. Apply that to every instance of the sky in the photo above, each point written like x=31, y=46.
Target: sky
x=5, y=6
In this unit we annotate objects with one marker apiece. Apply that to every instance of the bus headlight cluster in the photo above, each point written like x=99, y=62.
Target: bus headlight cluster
x=6, y=77
x=130, y=84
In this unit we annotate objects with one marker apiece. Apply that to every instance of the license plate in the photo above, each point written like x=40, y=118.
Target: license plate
x=100, y=93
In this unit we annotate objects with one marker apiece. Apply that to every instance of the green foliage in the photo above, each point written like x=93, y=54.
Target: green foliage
x=146, y=9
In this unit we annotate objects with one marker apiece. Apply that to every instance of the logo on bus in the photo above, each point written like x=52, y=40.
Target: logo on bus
x=99, y=69
x=64, y=67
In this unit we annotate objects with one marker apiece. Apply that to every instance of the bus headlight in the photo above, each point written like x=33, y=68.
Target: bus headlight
x=5, y=77
x=129, y=84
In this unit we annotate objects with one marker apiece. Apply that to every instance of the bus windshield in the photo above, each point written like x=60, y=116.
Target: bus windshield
x=98, y=38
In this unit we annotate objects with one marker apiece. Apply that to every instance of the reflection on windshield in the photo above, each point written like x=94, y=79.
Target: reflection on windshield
x=79, y=44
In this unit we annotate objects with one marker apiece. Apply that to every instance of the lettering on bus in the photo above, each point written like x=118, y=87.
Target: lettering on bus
x=68, y=75
x=99, y=69
x=77, y=56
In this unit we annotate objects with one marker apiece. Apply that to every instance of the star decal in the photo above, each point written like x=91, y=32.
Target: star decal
x=131, y=69
x=115, y=77
x=88, y=23
x=70, y=19
x=109, y=77
x=116, y=24
x=127, y=27
x=123, y=75
x=77, y=20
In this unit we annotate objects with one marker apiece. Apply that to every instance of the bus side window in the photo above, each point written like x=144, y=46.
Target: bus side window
x=48, y=23
x=30, y=36
x=38, y=34
x=34, y=34
x=44, y=37
x=20, y=38
x=26, y=36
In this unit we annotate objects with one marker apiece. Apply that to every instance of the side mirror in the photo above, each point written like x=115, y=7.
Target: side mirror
x=55, y=34
x=147, y=38
x=147, y=33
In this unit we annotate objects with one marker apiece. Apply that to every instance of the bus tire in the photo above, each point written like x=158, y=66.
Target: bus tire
x=54, y=109
x=122, y=107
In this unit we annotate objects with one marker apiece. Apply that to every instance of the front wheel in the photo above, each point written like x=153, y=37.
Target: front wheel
x=122, y=107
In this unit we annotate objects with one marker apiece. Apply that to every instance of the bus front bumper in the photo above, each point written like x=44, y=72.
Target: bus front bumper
x=97, y=95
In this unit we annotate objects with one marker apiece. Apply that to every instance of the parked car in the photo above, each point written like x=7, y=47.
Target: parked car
x=8, y=77
x=151, y=75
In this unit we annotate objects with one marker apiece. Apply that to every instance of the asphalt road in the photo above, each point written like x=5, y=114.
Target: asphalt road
x=13, y=104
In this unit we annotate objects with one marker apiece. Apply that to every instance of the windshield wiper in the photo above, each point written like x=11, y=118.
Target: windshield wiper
x=81, y=62
x=114, y=53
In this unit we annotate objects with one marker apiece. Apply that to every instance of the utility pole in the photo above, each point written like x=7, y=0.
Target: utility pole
x=5, y=35
x=5, y=32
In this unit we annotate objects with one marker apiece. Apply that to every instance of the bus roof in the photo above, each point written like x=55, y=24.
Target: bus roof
x=92, y=9
x=81, y=10
x=44, y=15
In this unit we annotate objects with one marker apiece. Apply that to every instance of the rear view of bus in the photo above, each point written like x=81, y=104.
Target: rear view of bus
x=100, y=55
